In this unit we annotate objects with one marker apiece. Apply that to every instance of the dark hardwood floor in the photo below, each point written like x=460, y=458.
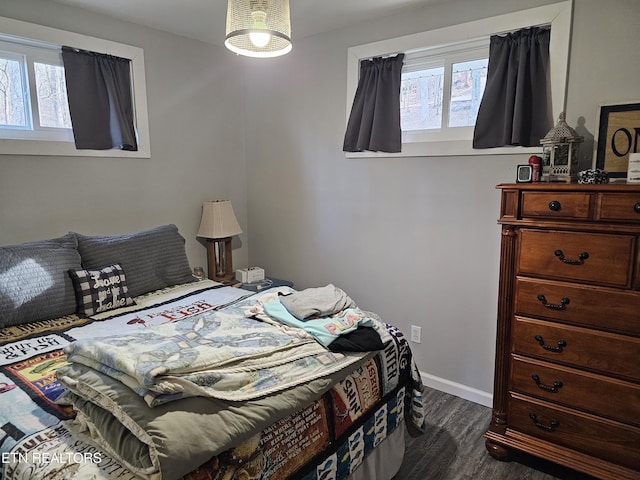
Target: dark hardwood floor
x=453, y=448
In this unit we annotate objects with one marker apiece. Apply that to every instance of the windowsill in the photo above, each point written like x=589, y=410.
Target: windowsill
x=67, y=149
x=446, y=149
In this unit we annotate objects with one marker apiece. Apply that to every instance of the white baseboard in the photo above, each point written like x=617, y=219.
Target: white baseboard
x=457, y=389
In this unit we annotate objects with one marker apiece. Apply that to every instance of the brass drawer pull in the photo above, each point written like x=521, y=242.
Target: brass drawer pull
x=549, y=388
x=551, y=348
x=549, y=428
x=581, y=258
x=555, y=206
x=553, y=306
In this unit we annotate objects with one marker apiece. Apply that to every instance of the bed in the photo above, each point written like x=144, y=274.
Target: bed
x=117, y=363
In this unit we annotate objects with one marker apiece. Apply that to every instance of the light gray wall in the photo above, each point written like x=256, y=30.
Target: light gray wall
x=197, y=153
x=414, y=239
x=605, y=59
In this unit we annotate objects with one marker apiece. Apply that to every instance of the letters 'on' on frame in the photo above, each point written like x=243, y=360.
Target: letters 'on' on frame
x=618, y=136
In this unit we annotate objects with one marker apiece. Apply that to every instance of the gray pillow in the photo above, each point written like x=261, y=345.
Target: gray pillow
x=34, y=284
x=151, y=259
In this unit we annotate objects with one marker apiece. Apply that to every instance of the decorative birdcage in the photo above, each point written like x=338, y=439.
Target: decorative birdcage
x=560, y=153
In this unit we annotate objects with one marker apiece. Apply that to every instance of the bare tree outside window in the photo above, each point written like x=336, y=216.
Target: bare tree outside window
x=467, y=86
x=52, y=96
x=12, y=103
x=421, y=99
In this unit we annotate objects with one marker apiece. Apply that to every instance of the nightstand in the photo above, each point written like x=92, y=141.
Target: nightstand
x=268, y=282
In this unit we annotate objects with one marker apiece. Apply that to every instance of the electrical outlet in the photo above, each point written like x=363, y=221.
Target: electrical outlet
x=416, y=334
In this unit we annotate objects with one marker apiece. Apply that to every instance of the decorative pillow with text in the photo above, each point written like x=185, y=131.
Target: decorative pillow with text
x=100, y=290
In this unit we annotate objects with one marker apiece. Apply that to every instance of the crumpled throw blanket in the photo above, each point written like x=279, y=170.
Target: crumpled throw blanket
x=317, y=302
x=328, y=328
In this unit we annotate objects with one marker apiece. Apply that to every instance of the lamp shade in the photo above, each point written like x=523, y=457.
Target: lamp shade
x=258, y=28
x=218, y=220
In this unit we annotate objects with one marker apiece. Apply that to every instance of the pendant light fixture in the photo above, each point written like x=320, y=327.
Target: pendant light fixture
x=258, y=28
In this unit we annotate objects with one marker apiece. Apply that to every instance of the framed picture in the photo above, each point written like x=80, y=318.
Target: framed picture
x=524, y=173
x=618, y=136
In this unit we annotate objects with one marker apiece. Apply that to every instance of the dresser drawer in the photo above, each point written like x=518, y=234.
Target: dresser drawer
x=591, y=257
x=604, y=352
x=562, y=205
x=602, y=438
x=619, y=207
x=586, y=391
x=599, y=307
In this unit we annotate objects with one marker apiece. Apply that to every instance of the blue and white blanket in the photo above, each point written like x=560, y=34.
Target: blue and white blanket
x=235, y=354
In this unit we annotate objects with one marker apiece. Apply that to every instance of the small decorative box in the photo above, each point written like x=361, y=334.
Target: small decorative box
x=591, y=175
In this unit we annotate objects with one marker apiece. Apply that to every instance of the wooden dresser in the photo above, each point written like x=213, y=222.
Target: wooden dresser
x=567, y=369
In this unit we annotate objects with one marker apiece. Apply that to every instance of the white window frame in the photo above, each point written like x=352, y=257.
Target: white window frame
x=557, y=15
x=445, y=57
x=10, y=28
x=28, y=54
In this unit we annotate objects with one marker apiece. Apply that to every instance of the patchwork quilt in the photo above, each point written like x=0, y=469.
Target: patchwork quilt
x=186, y=384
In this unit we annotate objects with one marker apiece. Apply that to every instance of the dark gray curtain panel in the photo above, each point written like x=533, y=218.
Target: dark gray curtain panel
x=516, y=105
x=100, y=102
x=374, y=122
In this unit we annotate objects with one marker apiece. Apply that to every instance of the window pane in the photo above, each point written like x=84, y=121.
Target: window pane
x=467, y=85
x=12, y=94
x=421, y=99
x=52, y=96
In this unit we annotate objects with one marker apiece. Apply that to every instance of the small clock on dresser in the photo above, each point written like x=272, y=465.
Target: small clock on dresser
x=524, y=173
x=567, y=367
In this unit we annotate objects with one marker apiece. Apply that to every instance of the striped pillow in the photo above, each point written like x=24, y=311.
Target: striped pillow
x=153, y=259
x=34, y=284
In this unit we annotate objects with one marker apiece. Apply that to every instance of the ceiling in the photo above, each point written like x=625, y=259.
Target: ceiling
x=205, y=19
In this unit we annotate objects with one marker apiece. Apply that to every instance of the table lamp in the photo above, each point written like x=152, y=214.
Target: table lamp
x=218, y=224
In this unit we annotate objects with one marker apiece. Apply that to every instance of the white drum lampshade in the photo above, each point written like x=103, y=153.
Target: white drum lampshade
x=258, y=28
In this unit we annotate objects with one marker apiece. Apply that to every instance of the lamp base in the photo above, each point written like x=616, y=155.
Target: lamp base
x=219, y=260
